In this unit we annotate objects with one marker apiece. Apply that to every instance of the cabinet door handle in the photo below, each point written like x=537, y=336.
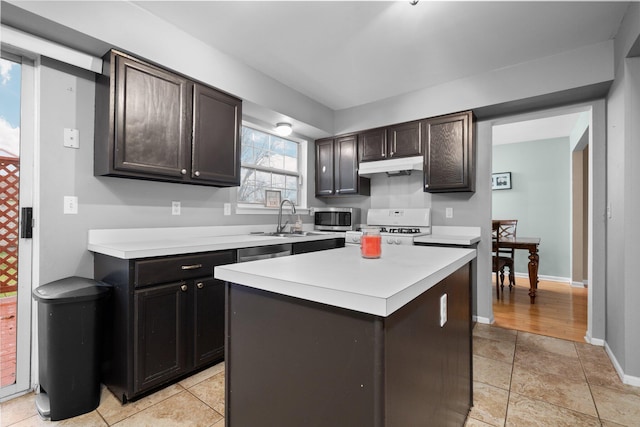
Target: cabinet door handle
x=183, y=288
x=191, y=267
x=200, y=285
x=197, y=173
x=183, y=171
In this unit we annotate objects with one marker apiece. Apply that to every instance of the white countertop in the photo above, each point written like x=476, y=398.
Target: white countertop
x=342, y=278
x=451, y=235
x=151, y=242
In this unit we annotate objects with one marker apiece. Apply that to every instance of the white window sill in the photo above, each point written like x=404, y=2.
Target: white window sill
x=263, y=210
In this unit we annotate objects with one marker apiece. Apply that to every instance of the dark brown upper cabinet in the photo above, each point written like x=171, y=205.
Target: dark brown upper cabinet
x=450, y=153
x=401, y=140
x=337, y=168
x=404, y=140
x=373, y=145
x=152, y=123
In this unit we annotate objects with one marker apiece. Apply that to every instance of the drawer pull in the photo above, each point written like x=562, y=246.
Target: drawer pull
x=191, y=267
x=183, y=288
x=200, y=285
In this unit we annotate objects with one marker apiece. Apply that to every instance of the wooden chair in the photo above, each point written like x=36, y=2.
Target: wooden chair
x=500, y=262
x=507, y=228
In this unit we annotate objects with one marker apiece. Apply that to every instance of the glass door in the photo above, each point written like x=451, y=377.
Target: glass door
x=16, y=182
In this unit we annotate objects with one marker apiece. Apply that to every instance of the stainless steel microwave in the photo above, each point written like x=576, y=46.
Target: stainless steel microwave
x=336, y=219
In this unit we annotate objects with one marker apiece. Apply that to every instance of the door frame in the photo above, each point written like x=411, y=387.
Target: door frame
x=26, y=247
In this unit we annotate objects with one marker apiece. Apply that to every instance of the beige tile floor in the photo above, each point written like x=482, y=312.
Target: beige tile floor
x=520, y=379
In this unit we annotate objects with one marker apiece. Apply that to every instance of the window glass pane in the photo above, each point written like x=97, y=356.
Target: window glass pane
x=261, y=150
x=278, y=180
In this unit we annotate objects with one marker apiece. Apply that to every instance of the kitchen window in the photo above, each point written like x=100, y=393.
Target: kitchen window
x=270, y=162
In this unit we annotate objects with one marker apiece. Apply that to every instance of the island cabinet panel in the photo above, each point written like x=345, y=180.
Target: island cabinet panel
x=337, y=168
x=293, y=362
x=166, y=319
x=153, y=123
x=450, y=158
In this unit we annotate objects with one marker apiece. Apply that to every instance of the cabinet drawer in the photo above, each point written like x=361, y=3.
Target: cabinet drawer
x=163, y=270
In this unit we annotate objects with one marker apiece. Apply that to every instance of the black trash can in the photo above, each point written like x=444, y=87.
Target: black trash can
x=70, y=326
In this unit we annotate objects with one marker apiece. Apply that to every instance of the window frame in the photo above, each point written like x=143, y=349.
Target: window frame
x=301, y=207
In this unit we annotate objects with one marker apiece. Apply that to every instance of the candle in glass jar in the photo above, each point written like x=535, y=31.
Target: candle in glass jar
x=371, y=244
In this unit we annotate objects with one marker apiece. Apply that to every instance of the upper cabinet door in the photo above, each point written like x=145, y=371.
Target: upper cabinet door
x=216, y=136
x=373, y=145
x=405, y=140
x=150, y=126
x=346, y=165
x=324, y=167
x=450, y=159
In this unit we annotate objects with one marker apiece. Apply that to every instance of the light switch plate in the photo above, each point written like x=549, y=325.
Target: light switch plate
x=71, y=138
x=70, y=205
x=448, y=213
x=227, y=208
x=175, y=208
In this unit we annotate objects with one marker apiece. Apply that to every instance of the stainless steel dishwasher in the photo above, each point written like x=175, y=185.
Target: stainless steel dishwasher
x=264, y=252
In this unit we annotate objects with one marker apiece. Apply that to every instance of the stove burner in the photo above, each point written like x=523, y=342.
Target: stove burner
x=400, y=230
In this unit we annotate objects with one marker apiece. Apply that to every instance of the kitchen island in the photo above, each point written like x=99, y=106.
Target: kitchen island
x=331, y=338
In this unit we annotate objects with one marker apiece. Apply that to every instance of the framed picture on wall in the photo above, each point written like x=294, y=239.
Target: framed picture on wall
x=501, y=181
x=272, y=198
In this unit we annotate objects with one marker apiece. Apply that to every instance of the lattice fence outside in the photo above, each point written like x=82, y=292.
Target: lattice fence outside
x=9, y=223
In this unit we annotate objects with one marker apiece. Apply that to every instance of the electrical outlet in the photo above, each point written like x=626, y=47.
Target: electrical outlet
x=443, y=310
x=70, y=205
x=71, y=138
x=448, y=213
x=227, y=208
x=175, y=208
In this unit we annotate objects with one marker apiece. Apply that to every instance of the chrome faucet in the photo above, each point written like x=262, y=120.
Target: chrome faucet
x=280, y=228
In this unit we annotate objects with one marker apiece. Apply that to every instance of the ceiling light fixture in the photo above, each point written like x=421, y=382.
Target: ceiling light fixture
x=284, y=129
x=413, y=2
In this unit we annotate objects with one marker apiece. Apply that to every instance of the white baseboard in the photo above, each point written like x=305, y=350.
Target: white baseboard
x=626, y=379
x=578, y=285
x=544, y=277
x=484, y=320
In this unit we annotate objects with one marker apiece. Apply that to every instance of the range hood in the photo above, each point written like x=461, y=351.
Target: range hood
x=392, y=167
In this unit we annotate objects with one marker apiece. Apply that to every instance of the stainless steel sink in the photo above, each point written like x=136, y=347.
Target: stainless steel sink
x=295, y=234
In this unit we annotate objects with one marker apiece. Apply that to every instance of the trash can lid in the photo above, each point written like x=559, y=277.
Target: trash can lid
x=71, y=289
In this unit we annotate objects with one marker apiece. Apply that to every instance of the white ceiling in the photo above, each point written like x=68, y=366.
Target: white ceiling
x=555, y=126
x=344, y=54
x=349, y=53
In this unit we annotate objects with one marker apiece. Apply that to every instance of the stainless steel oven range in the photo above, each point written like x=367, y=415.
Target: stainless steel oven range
x=397, y=226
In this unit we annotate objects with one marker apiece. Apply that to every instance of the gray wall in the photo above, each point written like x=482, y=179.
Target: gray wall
x=539, y=199
x=623, y=199
x=67, y=101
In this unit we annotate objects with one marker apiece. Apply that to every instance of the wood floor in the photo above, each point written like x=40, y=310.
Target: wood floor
x=559, y=311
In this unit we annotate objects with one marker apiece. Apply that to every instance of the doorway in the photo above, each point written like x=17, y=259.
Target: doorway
x=17, y=88
x=546, y=154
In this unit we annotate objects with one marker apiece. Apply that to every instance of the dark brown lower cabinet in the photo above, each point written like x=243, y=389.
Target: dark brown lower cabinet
x=292, y=362
x=166, y=320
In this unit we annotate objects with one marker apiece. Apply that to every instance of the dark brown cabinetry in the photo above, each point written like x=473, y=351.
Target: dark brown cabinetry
x=401, y=140
x=337, y=168
x=411, y=370
x=152, y=123
x=450, y=153
x=167, y=319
